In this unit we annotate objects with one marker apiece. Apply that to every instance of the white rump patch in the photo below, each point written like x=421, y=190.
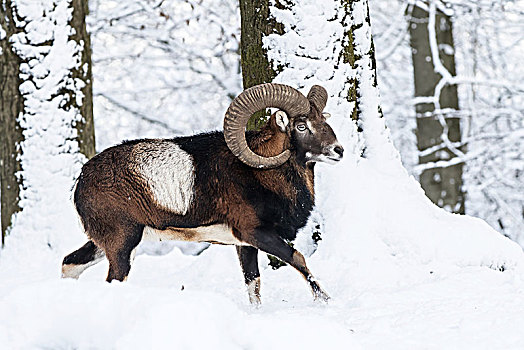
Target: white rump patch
x=169, y=172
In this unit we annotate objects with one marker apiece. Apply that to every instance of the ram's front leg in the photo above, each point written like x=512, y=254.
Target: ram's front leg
x=248, y=257
x=270, y=242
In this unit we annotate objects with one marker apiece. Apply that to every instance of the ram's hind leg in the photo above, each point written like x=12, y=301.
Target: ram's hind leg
x=271, y=243
x=78, y=261
x=248, y=257
x=119, y=250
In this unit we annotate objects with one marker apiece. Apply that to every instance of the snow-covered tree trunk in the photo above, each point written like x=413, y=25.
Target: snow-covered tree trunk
x=52, y=47
x=11, y=135
x=329, y=43
x=83, y=72
x=333, y=47
x=256, y=23
x=438, y=126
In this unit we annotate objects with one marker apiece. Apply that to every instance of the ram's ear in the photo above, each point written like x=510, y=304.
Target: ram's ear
x=282, y=120
x=326, y=115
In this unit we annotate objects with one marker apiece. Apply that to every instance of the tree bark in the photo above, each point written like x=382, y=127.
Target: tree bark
x=255, y=23
x=11, y=105
x=442, y=185
x=351, y=56
x=348, y=55
x=85, y=127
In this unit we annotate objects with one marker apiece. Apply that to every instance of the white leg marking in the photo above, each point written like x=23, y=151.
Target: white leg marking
x=253, y=289
x=74, y=271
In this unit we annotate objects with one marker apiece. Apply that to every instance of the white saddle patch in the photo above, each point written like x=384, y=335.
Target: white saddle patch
x=169, y=172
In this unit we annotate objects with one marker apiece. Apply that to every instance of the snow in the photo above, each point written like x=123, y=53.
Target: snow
x=401, y=272
x=379, y=300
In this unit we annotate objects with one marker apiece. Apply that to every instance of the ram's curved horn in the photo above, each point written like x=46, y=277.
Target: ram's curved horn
x=254, y=99
x=318, y=96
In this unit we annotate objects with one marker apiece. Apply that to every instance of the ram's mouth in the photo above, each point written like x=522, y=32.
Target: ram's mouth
x=328, y=159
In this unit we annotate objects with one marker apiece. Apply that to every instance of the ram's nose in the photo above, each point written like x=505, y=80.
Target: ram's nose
x=339, y=150
x=335, y=152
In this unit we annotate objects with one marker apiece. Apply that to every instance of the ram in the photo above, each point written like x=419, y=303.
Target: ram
x=253, y=190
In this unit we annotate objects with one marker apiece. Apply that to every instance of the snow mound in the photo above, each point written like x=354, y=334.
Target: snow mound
x=368, y=206
x=87, y=315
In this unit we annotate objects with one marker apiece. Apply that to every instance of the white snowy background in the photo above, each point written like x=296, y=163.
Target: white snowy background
x=401, y=272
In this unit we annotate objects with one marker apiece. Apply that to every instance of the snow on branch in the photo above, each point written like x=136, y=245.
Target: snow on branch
x=489, y=77
x=174, y=63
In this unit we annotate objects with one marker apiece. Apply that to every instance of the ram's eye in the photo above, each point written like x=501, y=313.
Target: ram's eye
x=301, y=127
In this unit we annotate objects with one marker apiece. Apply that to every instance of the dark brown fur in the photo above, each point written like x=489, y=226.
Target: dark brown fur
x=264, y=208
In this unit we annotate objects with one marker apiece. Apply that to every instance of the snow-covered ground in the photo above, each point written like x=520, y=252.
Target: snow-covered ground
x=401, y=273
x=473, y=307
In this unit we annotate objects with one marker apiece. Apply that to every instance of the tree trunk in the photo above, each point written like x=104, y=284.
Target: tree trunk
x=255, y=23
x=11, y=105
x=85, y=127
x=256, y=68
x=442, y=185
x=350, y=56
x=49, y=126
